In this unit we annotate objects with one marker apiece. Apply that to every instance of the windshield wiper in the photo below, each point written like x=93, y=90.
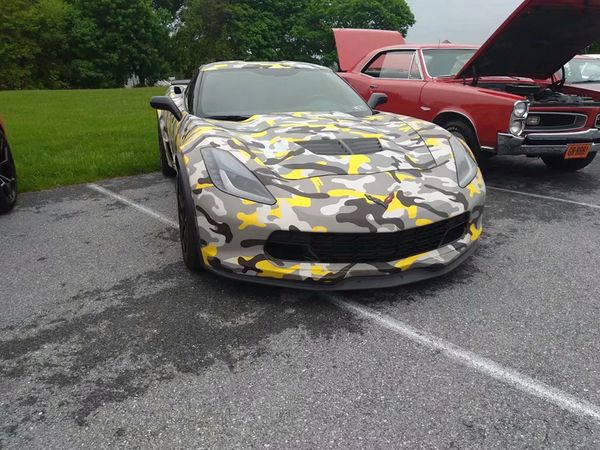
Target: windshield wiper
x=230, y=118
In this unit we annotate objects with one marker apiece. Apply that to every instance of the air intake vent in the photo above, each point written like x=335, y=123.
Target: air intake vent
x=359, y=146
x=364, y=247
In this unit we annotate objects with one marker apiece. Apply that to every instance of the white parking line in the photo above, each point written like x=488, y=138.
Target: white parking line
x=485, y=366
x=474, y=361
x=133, y=204
x=544, y=197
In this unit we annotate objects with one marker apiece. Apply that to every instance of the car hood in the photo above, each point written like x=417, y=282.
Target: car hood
x=303, y=145
x=538, y=39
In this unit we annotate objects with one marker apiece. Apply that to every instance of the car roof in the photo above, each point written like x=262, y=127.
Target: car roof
x=224, y=65
x=429, y=47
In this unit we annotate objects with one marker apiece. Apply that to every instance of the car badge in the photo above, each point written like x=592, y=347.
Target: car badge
x=385, y=203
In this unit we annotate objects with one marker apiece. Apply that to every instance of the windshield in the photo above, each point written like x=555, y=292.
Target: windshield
x=446, y=62
x=235, y=94
x=583, y=71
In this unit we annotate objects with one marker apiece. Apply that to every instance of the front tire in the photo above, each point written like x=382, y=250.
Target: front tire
x=165, y=168
x=188, y=229
x=567, y=165
x=463, y=131
x=8, y=176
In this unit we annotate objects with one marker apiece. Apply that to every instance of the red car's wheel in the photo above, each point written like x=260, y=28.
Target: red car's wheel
x=567, y=165
x=8, y=176
x=463, y=131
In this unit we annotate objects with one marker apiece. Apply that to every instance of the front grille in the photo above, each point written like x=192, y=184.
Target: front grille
x=357, y=146
x=557, y=121
x=364, y=247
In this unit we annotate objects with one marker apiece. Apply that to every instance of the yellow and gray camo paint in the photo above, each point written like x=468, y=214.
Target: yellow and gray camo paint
x=322, y=193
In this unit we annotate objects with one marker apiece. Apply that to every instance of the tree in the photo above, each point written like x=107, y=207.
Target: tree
x=171, y=6
x=33, y=37
x=113, y=40
x=311, y=31
x=277, y=29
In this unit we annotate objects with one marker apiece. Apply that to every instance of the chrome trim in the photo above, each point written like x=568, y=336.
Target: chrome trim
x=553, y=144
x=547, y=113
x=522, y=119
x=591, y=134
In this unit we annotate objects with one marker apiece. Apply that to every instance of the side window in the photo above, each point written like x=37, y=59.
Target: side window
x=394, y=64
x=374, y=68
x=415, y=73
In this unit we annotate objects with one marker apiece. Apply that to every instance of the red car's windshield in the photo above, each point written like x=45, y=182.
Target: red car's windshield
x=446, y=62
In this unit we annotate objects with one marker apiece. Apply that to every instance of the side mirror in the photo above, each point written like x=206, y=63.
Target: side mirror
x=377, y=99
x=166, y=104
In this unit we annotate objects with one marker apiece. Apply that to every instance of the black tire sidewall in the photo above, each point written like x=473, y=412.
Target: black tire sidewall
x=165, y=168
x=457, y=127
x=7, y=204
x=567, y=165
x=190, y=237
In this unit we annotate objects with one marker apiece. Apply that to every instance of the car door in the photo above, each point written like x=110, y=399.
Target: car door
x=398, y=74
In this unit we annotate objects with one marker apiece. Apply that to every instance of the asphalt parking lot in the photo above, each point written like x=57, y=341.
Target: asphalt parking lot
x=106, y=340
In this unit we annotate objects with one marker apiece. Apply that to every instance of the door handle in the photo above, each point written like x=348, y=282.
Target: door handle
x=373, y=86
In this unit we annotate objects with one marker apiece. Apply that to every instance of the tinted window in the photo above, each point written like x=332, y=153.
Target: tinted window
x=400, y=65
x=244, y=92
x=446, y=62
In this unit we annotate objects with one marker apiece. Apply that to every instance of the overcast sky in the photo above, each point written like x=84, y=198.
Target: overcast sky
x=459, y=21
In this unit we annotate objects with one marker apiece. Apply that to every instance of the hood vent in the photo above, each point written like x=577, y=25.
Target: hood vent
x=359, y=146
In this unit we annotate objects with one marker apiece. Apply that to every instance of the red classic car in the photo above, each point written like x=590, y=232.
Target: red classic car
x=491, y=96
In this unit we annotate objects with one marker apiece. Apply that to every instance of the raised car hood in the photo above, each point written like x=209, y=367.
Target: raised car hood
x=354, y=44
x=292, y=146
x=538, y=39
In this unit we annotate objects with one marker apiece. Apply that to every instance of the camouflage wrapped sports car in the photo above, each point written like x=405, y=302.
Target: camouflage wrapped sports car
x=286, y=176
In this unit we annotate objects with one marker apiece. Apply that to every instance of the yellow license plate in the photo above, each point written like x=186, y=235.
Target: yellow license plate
x=578, y=151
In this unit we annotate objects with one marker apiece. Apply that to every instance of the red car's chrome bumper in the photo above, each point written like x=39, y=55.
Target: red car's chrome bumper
x=541, y=144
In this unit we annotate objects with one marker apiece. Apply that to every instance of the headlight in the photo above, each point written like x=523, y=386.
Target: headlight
x=518, y=117
x=517, y=127
x=231, y=176
x=466, y=167
x=521, y=109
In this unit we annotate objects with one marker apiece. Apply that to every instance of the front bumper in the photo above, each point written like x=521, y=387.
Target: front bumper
x=234, y=231
x=359, y=283
x=542, y=144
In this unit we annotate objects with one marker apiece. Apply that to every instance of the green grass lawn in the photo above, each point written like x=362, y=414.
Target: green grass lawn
x=67, y=137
